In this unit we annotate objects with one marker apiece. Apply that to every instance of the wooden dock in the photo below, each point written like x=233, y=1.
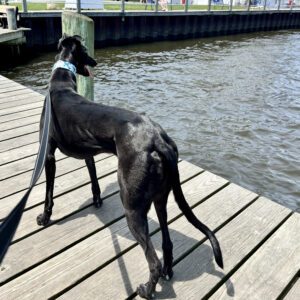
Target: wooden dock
x=88, y=253
x=13, y=37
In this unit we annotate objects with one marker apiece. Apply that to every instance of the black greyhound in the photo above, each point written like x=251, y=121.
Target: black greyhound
x=147, y=167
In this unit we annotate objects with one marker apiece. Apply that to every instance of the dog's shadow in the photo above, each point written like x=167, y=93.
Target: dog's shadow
x=165, y=288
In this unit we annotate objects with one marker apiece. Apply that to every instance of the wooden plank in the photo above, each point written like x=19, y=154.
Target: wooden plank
x=213, y=212
x=21, y=182
x=238, y=238
x=19, y=108
x=19, y=153
x=294, y=293
x=112, y=208
x=70, y=202
x=27, y=100
x=18, y=132
x=22, y=166
x=127, y=272
x=271, y=268
x=19, y=97
x=4, y=90
x=63, y=184
x=19, y=123
x=11, y=95
x=28, y=223
x=19, y=141
x=21, y=114
x=7, y=84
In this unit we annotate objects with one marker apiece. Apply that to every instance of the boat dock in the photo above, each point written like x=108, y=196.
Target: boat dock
x=89, y=253
x=13, y=37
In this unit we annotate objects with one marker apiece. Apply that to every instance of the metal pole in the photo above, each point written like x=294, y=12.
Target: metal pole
x=79, y=6
x=265, y=4
x=156, y=6
x=279, y=2
x=209, y=5
x=25, y=6
x=123, y=6
x=249, y=3
x=186, y=8
x=231, y=4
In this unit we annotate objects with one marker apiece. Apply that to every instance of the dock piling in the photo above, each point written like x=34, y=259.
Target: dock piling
x=77, y=24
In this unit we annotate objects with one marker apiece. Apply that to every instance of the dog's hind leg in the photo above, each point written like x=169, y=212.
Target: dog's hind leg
x=167, y=245
x=50, y=168
x=90, y=163
x=138, y=225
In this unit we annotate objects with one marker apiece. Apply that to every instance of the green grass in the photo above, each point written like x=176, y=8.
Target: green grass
x=128, y=7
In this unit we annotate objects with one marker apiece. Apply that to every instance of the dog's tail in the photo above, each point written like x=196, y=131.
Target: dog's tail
x=170, y=159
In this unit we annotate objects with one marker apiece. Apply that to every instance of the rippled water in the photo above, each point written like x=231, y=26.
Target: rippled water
x=232, y=104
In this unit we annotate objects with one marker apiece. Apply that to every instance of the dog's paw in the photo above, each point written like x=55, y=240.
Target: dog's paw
x=143, y=292
x=167, y=273
x=97, y=202
x=43, y=219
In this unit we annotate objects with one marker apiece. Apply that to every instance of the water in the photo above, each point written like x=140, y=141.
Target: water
x=232, y=104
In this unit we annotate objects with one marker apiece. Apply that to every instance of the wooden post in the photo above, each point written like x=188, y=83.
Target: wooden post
x=186, y=8
x=78, y=4
x=209, y=5
x=11, y=18
x=279, y=3
x=249, y=4
x=73, y=23
x=25, y=6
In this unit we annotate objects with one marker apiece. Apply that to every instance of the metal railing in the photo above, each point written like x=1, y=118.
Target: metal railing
x=155, y=6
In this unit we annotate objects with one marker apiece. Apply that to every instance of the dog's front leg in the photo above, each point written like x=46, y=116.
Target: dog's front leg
x=90, y=163
x=50, y=168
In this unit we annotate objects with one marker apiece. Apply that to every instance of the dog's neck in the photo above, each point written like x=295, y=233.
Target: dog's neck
x=63, y=75
x=64, y=65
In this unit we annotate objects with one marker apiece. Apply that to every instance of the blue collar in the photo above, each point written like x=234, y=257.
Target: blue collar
x=65, y=65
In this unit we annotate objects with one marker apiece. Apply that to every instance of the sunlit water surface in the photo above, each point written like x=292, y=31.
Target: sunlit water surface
x=232, y=103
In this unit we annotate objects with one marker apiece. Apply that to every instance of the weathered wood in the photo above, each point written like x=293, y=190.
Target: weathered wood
x=19, y=141
x=11, y=18
x=63, y=184
x=19, y=153
x=4, y=90
x=20, y=108
x=69, y=203
x=189, y=277
x=20, y=182
x=238, y=238
x=105, y=216
x=19, y=123
x=23, y=165
x=294, y=293
x=77, y=24
x=18, y=132
x=20, y=115
x=17, y=96
x=271, y=268
x=21, y=101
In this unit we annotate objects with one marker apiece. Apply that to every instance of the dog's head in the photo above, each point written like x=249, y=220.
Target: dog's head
x=71, y=47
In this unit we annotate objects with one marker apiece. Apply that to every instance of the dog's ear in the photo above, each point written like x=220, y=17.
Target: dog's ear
x=65, y=41
x=78, y=38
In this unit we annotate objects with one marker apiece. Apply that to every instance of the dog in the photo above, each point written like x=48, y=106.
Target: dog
x=147, y=158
